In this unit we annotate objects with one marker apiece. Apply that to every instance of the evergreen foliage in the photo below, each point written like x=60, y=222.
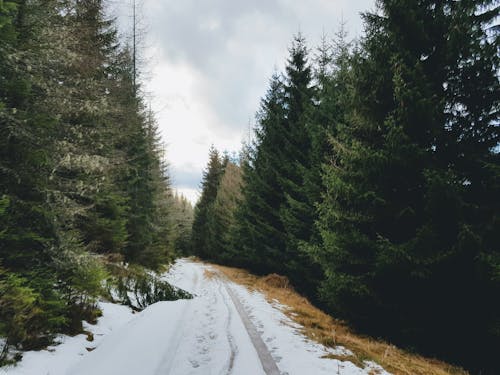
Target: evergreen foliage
x=299, y=178
x=222, y=215
x=81, y=167
x=200, y=243
x=404, y=222
x=280, y=187
x=373, y=180
x=259, y=237
x=372, y=184
x=138, y=288
x=182, y=216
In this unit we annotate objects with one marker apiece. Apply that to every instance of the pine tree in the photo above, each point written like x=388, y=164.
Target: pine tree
x=73, y=132
x=298, y=211
x=221, y=221
x=203, y=210
x=401, y=227
x=103, y=221
x=182, y=216
x=333, y=94
x=24, y=160
x=29, y=126
x=258, y=238
x=157, y=252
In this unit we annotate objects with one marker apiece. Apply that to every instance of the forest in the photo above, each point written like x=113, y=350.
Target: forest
x=373, y=180
x=83, y=178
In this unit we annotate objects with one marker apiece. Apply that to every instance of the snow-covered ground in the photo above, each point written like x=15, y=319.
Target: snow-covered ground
x=57, y=359
x=203, y=336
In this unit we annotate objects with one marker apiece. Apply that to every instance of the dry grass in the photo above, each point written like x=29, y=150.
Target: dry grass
x=322, y=328
x=210, y=275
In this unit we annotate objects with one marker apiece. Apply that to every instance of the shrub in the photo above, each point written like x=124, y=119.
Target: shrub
x=138, y=288
x=29, y=311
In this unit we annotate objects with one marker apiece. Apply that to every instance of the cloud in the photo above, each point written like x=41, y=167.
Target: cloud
x=213, y=60
x=185, y=177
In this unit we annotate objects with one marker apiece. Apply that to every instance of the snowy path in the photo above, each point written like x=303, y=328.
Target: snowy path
x=268, y=363
x=201, y=336
x=224, y=330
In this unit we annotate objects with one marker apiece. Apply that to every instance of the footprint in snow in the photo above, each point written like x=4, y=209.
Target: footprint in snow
x=200, y=339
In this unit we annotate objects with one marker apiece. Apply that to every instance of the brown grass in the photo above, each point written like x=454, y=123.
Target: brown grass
x=328, y=331
x=276, y=281
x=210, y=274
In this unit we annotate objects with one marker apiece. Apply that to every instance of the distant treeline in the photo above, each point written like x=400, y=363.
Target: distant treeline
x=81, y=168
x=374, y=180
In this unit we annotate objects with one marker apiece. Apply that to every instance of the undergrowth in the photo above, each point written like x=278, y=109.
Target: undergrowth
x=137, y=287
x=31, y=316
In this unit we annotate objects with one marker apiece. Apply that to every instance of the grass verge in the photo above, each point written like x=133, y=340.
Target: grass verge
x=322, y=328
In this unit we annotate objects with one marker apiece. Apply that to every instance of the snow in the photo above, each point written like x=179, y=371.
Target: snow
x=199, y=336
x=294, y=352
x=202, y=336
x=67, y=351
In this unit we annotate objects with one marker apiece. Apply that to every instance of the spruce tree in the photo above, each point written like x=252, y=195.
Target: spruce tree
x=24, y=158
x=181, y=222
x=221, y=221
x=298, y=178
x=73, y=132
x=203, y=210
x=259, y=238
x=406, y=233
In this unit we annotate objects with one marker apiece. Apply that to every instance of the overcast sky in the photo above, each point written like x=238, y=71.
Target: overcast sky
x=209, y=63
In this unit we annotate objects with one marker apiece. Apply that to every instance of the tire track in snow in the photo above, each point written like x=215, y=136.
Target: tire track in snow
x=268, y=363
x=230, y=339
